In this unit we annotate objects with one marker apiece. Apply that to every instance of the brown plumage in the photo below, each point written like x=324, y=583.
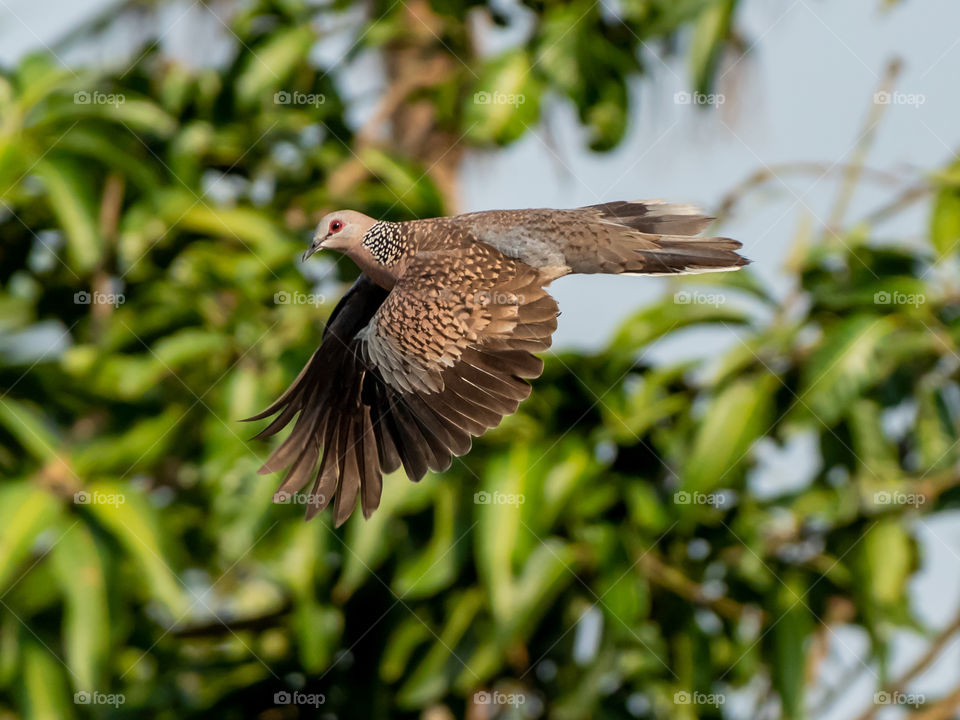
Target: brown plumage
x=433, y=344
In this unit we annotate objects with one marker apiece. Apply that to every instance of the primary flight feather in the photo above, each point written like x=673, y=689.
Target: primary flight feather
x=434, y=342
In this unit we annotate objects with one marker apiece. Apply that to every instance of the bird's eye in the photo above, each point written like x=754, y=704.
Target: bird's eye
x=336, y=226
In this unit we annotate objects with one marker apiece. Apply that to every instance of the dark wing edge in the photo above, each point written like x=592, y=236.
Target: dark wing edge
x=327, y=396
x=367, y=425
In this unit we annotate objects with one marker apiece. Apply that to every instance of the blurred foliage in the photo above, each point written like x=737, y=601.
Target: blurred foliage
x=150, y=218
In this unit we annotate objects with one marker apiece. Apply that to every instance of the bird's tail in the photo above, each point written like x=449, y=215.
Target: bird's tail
x=653, y=237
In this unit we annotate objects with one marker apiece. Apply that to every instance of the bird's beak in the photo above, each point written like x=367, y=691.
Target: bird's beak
x=315, y=245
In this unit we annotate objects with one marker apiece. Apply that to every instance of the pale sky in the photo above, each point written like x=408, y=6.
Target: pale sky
x=801, y=95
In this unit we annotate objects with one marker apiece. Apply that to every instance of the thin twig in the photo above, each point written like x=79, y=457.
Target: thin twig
x=669, y=578
x=855, y=169
x=928, y=658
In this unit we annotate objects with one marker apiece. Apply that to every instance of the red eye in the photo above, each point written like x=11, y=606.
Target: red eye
x=336, y=226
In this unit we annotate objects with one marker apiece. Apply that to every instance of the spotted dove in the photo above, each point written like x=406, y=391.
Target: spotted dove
x=434, y=342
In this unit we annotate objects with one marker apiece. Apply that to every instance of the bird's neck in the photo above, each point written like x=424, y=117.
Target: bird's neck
x=380, y=254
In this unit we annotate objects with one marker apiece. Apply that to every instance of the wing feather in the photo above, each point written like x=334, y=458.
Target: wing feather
x=408, y=378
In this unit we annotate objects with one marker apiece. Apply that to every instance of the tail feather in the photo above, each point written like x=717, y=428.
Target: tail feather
x=678, y=255
x=654, y=216
x=653, y=237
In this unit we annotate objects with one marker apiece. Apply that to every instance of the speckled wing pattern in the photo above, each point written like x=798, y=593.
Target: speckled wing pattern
x=408, y=378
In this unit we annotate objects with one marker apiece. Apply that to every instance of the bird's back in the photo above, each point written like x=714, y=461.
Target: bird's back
x=649, y=237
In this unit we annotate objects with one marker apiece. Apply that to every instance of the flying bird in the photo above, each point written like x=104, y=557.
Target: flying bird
x=434, y=342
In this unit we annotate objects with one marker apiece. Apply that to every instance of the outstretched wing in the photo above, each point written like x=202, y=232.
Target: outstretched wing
x=409, y=377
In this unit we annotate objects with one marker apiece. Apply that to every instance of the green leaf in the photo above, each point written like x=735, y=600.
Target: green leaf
x=506, y=100
x=319, y=629
x=69, y=191
x=550, y=567
x=430, y=678
x=735, y=418
x=272, y=62
x=128, y=515
x=845, y=363
x=410, y=634
x=557, y=55
x=499, y=527
x=790, y=632
x=874, y=451
x=257, y=234
x=127, y=114
x=887, y=554
x=644, y=404
x=29, y=426
x=133, y=450
x=368, y=542
x=668, y=316
x=710, y=34
x=78, y=566
x=409, y=184
x=945, y=220
x=102, y=147
x=44, y=688
x=25, y=512
x=933, y=432
x=433, y=569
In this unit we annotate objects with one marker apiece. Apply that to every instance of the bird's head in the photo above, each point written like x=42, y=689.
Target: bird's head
x=342, y=230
